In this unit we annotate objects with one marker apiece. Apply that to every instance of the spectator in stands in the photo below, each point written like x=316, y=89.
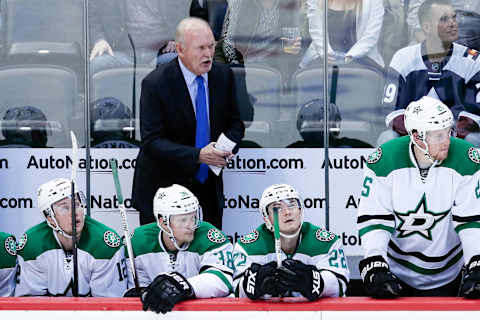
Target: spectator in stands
x=45, y=256
x=111, y=124
x=310, y=125
x=8, y=264
x=439, y=68
x=24, y=127
x=263, y=32
x=355, y=27
x=151, y=24
x=394, y=35
x=468, y=20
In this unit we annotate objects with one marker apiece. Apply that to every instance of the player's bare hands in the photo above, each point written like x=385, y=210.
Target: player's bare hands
x=212, y=156
x=101, y=47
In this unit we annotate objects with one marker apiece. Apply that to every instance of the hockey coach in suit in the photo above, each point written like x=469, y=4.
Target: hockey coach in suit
x=184, y=107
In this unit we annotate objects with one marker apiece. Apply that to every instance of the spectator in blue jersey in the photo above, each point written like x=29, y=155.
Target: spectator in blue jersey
x=437, y=67
x=468, y=19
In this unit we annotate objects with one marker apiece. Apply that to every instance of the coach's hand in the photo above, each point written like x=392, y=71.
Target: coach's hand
x=212, y=156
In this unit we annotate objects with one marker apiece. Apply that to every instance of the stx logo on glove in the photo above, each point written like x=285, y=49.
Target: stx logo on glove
x=179, y=280
x=316, y=282
x=251, y=282
x=372, y=265
x=474, y=264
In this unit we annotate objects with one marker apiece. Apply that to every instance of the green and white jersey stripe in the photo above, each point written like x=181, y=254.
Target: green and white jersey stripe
x=424, y=216
x=207, y=263
x=8, y=262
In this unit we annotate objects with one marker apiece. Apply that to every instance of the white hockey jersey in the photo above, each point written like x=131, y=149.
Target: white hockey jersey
x=317, y=247
x=427, y=222
x=8, y=263
x=45, y=269
x=207, y=262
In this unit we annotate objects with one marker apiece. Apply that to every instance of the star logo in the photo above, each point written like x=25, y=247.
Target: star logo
x=420, y=221
x=417, y=109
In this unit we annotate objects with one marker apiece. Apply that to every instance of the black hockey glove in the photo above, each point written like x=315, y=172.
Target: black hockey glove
x=134, y=292
x=470, y=286
x=294, y=275
x=379, y=282
x=259, y=280
x=165, y=291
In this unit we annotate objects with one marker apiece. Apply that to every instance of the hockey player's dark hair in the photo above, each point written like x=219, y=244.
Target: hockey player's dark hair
x=425, y=8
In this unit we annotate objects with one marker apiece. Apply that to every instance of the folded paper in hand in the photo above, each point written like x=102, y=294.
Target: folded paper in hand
x=222, y=144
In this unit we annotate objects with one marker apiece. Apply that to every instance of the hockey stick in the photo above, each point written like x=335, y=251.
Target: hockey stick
x=276, y=234
x=126, y=232
x=74, y=214
x=134, y=86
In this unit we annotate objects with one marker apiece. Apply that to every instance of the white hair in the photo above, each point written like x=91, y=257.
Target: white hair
x=189, y=24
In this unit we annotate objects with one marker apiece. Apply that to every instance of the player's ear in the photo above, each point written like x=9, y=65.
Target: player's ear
x=50, y=220
x=426, y=27
x=180, y=48
x=416, y=137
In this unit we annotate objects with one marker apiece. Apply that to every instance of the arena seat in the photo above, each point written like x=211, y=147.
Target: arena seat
x=52, y=89
x=359, y=92
x=264, y=86
x=47, y=31
x=118, y=83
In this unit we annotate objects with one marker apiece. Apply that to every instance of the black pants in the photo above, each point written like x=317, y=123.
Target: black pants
x=210, y=196
x=449, y=290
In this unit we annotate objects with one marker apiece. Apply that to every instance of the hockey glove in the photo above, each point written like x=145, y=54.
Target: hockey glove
x=165, y=291
x=296, y=276
x=470, y=286
x=398, y=125
x=259, y=280
x=134, y=292
x=379, y=282
x=465, y=126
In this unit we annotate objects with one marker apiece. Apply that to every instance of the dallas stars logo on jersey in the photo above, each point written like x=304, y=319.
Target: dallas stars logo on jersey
x=418, y=221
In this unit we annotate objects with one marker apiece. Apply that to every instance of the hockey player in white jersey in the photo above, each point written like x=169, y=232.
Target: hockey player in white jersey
x=313, y=262
x=419, y=214
x=179, y=257
x=45, y=258
x=8, y=263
